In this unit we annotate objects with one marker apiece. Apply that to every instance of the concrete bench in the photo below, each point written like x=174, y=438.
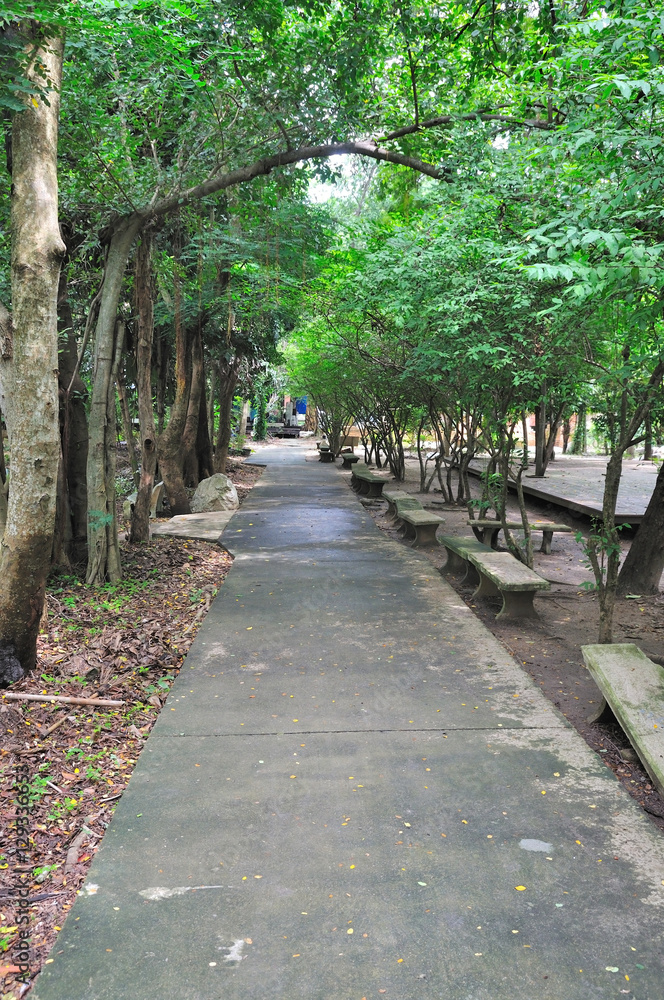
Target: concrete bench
x=487, y=531
x=365, y=482
x=391, y=496
x=419, y=525
x=457, y=548
x=501, y=575
x=398, y=501
x=408, y=503
x=632, y=687
x=349, y=460
x=325, y=453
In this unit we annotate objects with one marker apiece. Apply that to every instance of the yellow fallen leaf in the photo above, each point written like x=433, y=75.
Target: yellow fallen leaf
x=519, y=888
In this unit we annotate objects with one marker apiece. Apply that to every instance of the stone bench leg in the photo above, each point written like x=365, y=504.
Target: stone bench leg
x=603, y=713
x=425, y=535
x=486, y=587
x=356, y=483
x=518, y=604
x=472, y=577
x=455, y=563
x=487, y=536
x=375, y=490
x=547, y=538
x=407, y=531
x=364, y=488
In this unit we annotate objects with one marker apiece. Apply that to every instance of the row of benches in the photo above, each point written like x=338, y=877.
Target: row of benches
x=630, y=683
x=495, y=574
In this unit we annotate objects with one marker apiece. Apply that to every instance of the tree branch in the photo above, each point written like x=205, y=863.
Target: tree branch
x=266, y=165
x=473, y=116
x=413, y=81
x=469, y=21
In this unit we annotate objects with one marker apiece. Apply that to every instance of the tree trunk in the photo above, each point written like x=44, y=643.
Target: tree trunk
x=647, y=443
x=567, y=430
x=29, y=363
x=189, y=438
x=244, y=416
x=62, y=535
x=143, y=290
x=644, y=564
x=169, y=442
x=524, y=434
x=102, y=523
x=203, y=442
x=162, y=376
x=74, y=432
x=579, y=441
x=213, y=392
x=126, y=424
x=228, y=373
x=540, y=439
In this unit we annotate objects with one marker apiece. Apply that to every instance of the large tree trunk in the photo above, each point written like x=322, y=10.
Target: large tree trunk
x=162, y=378
x=644, y=564
x=169, y=442
x=211, y=398
x=191, y=472
x=103, y=552
x=29, y=362
x=74, y=432
x=244, y=416
x=143, y=288
x=540, y=439
x=127, y=428
x=228, y=373
x=204, y=442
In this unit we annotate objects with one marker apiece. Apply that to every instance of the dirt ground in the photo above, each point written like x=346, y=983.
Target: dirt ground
x=549, y=647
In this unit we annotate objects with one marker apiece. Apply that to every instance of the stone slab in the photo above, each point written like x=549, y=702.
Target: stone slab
x=506, y=572
x=205, y=527
x=419, y=516
x=633, y=686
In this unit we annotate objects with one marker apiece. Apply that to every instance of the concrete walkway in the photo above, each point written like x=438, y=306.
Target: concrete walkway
x=353, y=791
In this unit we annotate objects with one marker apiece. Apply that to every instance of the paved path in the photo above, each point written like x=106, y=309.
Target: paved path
x=577, y=483
x=353, y=791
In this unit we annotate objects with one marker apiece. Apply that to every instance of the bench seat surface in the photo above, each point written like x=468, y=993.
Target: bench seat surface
x=362, y=472
x=416, y=516
x=506, y=572
x=463, y=543
x=633, y=686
